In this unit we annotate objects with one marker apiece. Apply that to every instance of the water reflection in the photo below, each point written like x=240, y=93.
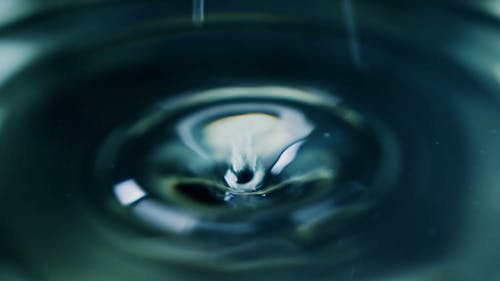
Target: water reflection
x=128, y=192
x=391, y=174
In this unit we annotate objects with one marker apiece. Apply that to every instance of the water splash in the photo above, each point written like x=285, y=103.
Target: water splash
x=245, y=173
x=253, y=148
x=248, y=137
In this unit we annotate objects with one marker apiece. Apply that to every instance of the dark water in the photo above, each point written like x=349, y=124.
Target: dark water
x=249, y=140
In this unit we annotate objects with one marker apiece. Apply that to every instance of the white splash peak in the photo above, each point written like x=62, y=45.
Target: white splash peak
x=250, y=138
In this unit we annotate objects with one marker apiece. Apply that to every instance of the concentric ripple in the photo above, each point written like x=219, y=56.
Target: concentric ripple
x=233, y=161
x=249, y=140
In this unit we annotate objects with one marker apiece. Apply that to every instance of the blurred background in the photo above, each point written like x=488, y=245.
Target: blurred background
x=423, y=76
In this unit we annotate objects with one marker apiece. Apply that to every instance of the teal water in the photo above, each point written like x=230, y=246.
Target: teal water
x=249, y=140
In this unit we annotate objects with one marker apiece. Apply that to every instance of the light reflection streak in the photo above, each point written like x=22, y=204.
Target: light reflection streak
x=13, y=56
x=309, y=217
x=152, y=212
x=11, y=10
x=164, y=218
x=286, y=158
x=492, y=6
x=128, y=192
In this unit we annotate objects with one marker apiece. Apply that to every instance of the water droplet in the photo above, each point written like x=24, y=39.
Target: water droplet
x=198, y=16
x=350, y=25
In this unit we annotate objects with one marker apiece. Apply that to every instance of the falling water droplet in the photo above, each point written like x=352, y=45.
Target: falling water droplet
x=350, y=25
x=198, y=16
